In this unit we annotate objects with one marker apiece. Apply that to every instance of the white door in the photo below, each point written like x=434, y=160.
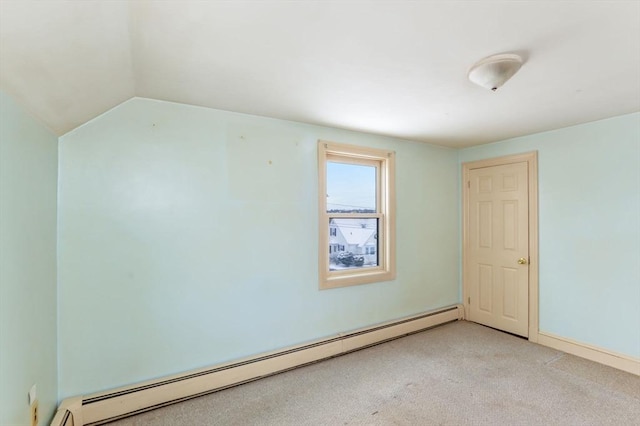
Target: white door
x=498, y=252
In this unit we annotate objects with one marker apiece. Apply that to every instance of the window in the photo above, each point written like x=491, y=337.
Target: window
x=357, y=206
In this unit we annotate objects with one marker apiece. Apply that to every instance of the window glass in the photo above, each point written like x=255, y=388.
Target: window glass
x=351, y=188
x=358, y=240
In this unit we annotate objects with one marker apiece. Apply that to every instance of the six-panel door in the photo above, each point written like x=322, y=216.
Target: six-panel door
x=498, y=247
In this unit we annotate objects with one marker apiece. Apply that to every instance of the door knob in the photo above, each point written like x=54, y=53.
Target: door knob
x=522, y=261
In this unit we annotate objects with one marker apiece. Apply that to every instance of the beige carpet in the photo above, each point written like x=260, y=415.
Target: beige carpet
x=457, y=374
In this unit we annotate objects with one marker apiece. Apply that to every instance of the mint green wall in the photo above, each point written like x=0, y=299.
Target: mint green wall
x=28, y=179
x=589, y=177
x=188, y=237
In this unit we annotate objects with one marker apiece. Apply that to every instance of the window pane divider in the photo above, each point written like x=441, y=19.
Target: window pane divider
x=354, y=215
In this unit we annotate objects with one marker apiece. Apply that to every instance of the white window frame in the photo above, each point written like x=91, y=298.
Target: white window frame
x=384, y=161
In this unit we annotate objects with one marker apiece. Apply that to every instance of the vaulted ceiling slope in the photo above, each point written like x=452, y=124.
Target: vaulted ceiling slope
x=396, y=68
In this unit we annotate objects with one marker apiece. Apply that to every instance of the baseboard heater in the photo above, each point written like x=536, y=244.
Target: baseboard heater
x=124, y=402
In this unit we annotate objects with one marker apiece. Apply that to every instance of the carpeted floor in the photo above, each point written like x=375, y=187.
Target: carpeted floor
x=457, y=374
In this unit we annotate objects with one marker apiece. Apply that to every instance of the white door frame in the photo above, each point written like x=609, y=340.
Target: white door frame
x=531, y=158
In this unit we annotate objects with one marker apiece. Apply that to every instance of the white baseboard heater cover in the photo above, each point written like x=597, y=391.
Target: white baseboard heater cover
x=123, y=402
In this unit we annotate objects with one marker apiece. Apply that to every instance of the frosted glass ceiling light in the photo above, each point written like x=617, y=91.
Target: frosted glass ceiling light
x=494, y=71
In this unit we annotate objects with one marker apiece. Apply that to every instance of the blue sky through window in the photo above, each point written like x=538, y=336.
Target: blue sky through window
x=351, y=187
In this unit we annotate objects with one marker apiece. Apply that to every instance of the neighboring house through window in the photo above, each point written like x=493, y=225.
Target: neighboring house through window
x=357, y=215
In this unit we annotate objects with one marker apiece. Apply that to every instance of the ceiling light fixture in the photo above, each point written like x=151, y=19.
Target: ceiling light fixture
x=494, y=71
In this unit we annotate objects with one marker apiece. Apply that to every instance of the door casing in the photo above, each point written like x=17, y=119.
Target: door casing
x=532, y=162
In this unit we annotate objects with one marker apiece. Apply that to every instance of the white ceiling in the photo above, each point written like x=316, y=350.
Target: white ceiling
x=396, y=68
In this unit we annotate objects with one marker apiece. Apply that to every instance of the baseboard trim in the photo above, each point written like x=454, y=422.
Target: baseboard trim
x=69, y=413
x=592, y=353
x=63, y=417
x=127, y=401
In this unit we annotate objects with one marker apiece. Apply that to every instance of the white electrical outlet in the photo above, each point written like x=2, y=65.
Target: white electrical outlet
x=33, y=394
x=33, y=405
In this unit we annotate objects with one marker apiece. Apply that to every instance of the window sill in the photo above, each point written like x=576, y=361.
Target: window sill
x=368, y=277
